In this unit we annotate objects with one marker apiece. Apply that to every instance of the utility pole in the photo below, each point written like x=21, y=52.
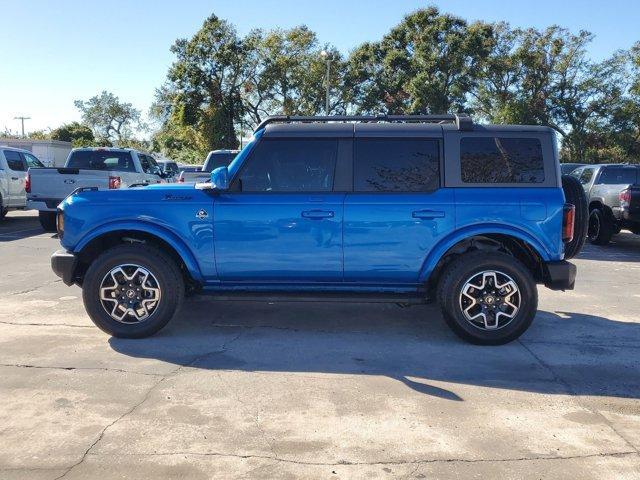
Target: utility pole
x=324, y=54
x=22, y=119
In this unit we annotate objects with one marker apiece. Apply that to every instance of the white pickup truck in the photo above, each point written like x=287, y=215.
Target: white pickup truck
x=104, y=168
x=14, y=163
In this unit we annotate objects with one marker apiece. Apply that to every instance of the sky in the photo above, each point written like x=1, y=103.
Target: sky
x=53, y=52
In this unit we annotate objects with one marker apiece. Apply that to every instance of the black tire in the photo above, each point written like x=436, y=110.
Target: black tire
x=160, y=265
x=48, y=221
x=575, y=194
x=3, y=210
x=601, y=227
x=463, y=269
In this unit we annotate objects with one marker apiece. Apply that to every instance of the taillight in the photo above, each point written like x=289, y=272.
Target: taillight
x=568, y=221
x=625, y=197
x=114, y=183
x=27, y=183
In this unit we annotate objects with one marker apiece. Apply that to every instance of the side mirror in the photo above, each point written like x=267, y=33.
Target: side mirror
x=220, y=179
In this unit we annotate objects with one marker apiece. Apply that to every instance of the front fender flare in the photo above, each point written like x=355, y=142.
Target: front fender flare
x=448, y=242
x=156, y=230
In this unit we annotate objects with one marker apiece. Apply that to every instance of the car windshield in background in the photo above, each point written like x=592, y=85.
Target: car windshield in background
x=619, y=176
x=101, y=160
x=219, y=160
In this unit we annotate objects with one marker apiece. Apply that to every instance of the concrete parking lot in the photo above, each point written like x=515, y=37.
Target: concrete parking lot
x=255, y=390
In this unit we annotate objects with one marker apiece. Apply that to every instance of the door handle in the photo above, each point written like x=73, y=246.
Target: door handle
x=15, y=178
x=428, y=214
x=317, y=214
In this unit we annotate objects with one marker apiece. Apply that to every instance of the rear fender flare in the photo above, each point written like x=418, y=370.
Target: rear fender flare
x=448, y=242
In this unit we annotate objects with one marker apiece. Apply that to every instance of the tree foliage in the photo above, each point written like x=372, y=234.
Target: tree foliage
x=110, y=119
x=78, y=134
x=222, y=84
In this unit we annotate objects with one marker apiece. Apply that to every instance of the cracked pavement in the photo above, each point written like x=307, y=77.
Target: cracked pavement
x=258, y=390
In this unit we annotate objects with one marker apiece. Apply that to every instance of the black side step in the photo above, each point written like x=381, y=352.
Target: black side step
x=338, y=297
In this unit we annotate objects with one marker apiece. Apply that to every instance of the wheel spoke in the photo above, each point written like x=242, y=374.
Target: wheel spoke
x=489, y=300
x=130, y=293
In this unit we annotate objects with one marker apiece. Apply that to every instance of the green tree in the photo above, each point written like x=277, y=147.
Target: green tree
x=545, y=77
x=109, y=118
x=427, y=64
x=200, y=101
x=286, y=75
x=78, y=134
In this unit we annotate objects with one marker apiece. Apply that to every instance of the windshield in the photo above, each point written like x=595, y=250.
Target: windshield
x=235, y=164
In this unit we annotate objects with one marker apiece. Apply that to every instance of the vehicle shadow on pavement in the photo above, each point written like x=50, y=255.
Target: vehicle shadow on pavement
x=562, y=353
x=17, y=226
x=624, y=247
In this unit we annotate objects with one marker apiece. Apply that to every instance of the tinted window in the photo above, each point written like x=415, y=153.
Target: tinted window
x=218, y=160
x=148, y=164
x=586, y=175
x=14, y=161
x=32, y=162
x=101, y=160
x=618, y=175
x=290, y=166
x=501, y=160
x=171, y=168
x=396, y=165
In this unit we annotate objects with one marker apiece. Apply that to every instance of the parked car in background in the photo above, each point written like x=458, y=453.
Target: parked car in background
x=613, y=195
x=101, y=168
x=190, y=168
x=215, y=159
x=14, y=164
x=170, y=169
x=567, y=168
x=353, y=211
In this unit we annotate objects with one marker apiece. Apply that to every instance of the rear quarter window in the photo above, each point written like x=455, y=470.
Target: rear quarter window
x=618, y=175
x=501, y=160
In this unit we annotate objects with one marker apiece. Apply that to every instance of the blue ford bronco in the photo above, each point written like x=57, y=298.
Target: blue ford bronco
x=403, y=209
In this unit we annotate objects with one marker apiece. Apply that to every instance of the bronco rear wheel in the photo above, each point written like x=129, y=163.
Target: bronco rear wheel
x=132, y=291
x=487, y=298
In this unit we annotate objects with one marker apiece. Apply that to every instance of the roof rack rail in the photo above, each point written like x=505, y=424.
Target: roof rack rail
x=461, y=120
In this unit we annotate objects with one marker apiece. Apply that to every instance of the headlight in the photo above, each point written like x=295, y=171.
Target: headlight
x=60, y=223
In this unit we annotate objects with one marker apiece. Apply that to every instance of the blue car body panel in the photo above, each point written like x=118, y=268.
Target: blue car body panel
x=333, y=241
x=269, y=236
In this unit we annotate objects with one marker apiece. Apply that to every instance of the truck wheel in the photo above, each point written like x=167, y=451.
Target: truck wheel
x=132, y=291
x=575, y=194
x=601, y=227
x=3, y=210
x=487, y=298
x=48, y=221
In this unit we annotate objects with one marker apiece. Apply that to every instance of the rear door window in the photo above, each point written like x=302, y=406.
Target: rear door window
x=32, y=161
x=15, y=161
x=585, y=176
x=618, y=175
x=290, y=165
x=501, y=160
x=396, y=165
x=101, y=160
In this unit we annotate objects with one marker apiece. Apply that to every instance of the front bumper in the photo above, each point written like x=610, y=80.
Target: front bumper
x=560, y=275
x=64, y=264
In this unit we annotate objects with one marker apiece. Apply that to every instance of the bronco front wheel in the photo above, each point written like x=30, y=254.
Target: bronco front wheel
x=488, y=298
x=132, y=291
